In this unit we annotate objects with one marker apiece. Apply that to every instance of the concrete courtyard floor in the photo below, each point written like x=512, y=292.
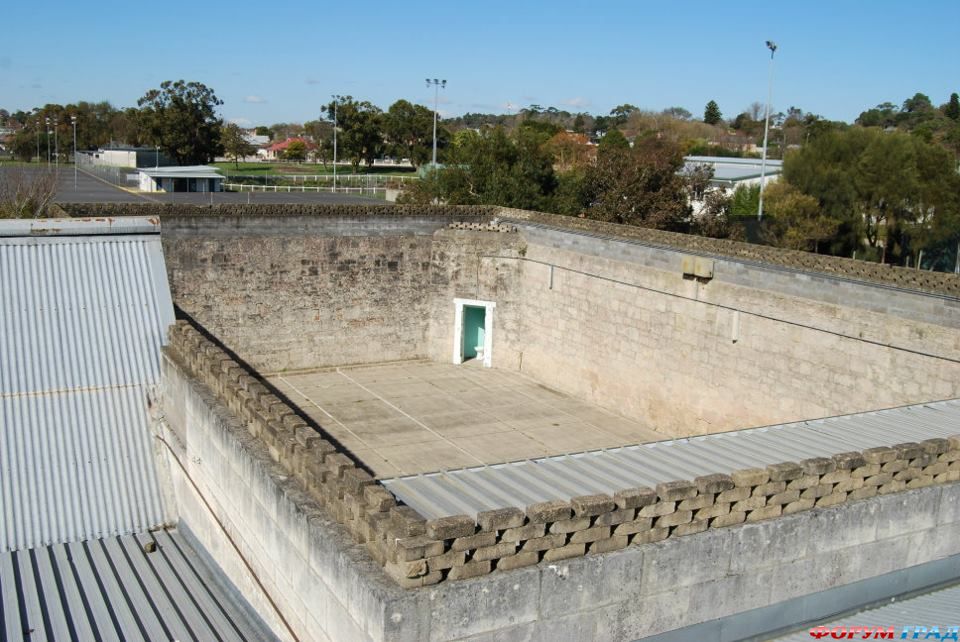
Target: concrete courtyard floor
x=420, y=416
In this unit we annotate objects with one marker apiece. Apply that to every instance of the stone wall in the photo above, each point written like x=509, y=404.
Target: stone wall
x=297, y=292
x=932, y=282
x=307, y=524
x=620, y=324
x=462, y=270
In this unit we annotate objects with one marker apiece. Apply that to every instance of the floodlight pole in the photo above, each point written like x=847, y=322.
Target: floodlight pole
x=47, y=122
x=772, y=46
x=336, y=100
x=73, y=120
x=56, y=144
x=38, y=139
x=437, y=86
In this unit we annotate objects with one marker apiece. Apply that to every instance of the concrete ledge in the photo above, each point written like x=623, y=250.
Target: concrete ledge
x=798, y=613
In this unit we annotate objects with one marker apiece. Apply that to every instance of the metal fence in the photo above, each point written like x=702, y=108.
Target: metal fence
x=243, y=187
x=346, y=180
x=122, y=176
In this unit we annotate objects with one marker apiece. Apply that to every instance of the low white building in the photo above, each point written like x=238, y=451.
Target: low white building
x=196, y=178
x=125, y=157
x=731, y=173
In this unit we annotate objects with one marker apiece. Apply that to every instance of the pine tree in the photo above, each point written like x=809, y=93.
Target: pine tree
x=953, y=107
x=711, y=114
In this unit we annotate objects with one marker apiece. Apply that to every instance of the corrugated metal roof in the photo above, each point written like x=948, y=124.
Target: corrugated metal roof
x=191, y=171
x=42, y=227
x=733, y=169
x=112, y=589
x=938, y=608
x=76, y=464
x=471, y=490
x=82, y=319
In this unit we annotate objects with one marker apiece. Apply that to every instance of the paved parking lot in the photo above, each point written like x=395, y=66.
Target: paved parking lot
x=91, y=189
x=417, y=417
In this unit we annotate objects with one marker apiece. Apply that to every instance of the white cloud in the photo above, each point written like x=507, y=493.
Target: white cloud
x=254, y=99
x=242, y=122
x=313, y=81
x=577, y=102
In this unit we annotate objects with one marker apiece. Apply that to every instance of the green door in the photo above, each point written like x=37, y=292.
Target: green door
x=473, y=330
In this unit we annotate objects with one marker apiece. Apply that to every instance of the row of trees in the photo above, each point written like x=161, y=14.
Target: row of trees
x=179, y=117
x=880, y=194
x=643, y=184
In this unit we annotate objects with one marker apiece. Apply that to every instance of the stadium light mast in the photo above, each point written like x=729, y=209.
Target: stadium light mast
x=38, y=139
x=47, y=122
x=56, y=143
x=437, y=86
x=336, y=100
x=73, y=120
x=772, y=46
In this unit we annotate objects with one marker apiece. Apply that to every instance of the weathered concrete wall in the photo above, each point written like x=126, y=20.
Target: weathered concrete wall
x=327, y=588
x=302, y=292
x=617, y=323
x=461, y=269
x=295, y=566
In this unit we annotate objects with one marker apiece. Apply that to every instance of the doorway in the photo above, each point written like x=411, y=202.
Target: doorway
x=473, y=331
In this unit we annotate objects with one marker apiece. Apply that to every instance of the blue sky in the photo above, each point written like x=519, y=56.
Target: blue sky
x=279, y=61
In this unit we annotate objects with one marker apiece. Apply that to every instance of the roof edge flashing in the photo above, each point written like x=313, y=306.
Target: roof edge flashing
x=89, y=226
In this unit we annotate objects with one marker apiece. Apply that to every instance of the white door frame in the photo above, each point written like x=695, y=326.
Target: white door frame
x=487, y=329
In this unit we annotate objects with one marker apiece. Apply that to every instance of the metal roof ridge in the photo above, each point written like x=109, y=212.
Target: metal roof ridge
x=88, y=226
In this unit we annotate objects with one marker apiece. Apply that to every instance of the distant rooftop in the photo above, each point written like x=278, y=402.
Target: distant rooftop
x=186, y=171
x=733, y=170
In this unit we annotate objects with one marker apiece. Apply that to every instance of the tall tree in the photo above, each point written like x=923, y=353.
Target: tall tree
x=321, y=131
x=235, y=143
x=889, y=191
x=711, y=113
x=296, y=150
x=491, y=168
x=408, y=130
x=621, y=113
x=181, y=117
x=952, y=110
x=639, y=186
x=613, y=139
x=795, y=219
x=678, y=112
x=360, y=135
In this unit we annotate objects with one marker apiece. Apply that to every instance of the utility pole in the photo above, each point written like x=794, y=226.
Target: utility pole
x=38, y=139
x=56, y=144
x=772, y=46
x=437, y=86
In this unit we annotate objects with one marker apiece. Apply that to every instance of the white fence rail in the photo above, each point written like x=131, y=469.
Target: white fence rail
x=241, y=187
x=364, y=180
